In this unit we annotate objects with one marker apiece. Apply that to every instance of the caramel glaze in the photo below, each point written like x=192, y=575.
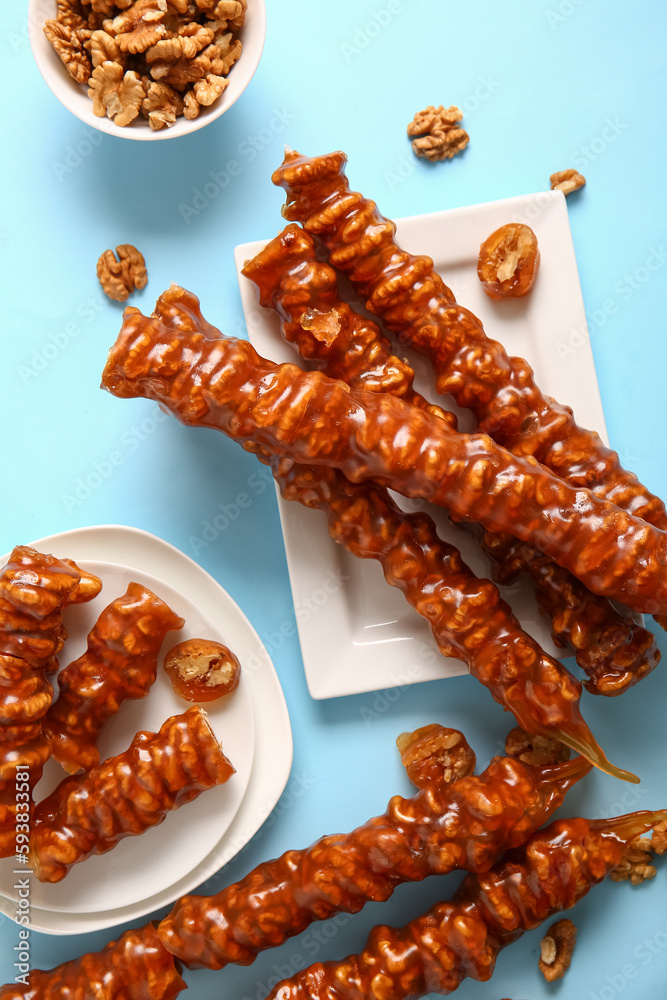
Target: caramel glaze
x=224, y=384
x=462, y=938
x=467, y=616
x=135, y=967
x=611, y=648
x=442, y=828
x=35, y=588
x=131, y=792
x=120, y=663
x=416, y=304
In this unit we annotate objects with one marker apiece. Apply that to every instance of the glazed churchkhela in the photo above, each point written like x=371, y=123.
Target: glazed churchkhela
x=120, y=662
x=414, y=302
x=224, y=384
x=462, y=938
x=133, y=792
x=135, y=967
x=443, y=827
x=468, y=618
x=613, y=650
x=34, y=590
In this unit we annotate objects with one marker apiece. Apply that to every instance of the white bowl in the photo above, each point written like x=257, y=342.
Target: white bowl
x=75, y=98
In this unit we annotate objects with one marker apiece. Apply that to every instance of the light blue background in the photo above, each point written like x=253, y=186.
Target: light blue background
x=545, y=85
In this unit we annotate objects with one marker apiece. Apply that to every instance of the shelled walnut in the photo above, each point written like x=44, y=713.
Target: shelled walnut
x=121, y=276
x=123, y=49
x=437, y=134
x=69, y=43
x=567, y=181
x=635, y=866
x=556, y=950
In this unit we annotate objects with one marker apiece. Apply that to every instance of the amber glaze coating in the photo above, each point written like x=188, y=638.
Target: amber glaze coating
x=34, y=589
x=120, y=663
x=468, y=618
x=132, y=792
x=135, y=967
x=612, y=649
x=462, y=938
x=434, y=754
x=224, y=384
x=443, y=827
x=414, y=302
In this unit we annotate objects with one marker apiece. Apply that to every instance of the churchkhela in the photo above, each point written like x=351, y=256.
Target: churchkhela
x=132, y=792
x=35, y=588
x=468, y=618
x=613, y=649
x=443, y=827
x=120, y=663
x=462, y=939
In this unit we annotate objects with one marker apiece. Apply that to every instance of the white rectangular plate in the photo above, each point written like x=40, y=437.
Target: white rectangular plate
x=358, y=634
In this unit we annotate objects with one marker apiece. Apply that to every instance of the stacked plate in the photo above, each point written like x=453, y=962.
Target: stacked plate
x=144, y=873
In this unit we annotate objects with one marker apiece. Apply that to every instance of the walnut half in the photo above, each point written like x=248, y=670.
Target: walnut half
x=567, y=181
x=438, y=135
x=556, y=949
x=120, y=277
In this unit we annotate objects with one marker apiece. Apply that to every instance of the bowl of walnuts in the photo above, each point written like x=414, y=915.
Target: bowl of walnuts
x=147, y=69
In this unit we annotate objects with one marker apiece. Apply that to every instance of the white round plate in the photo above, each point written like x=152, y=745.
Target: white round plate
x=143, y=873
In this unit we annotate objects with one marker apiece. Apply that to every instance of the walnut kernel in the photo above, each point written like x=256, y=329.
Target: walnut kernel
x=162, y=104
x=210, y=88
x=115, y=93
x=120, y=277
x=105, y=48
x=439, y=136
x=556, y=949
x=659, y=839
x=567, y=181
x=635, y=866
x=69, y=44
x=535, y=750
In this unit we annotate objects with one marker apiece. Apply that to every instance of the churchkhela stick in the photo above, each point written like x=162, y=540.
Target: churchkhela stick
x=135, y=967
x=224, y=384
x=34, y=589
x=443, y=827
x=414, y=302
x=462, y=938
x=612, y=649
x=467, y=616
x=120, y=663
x=132, y=792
